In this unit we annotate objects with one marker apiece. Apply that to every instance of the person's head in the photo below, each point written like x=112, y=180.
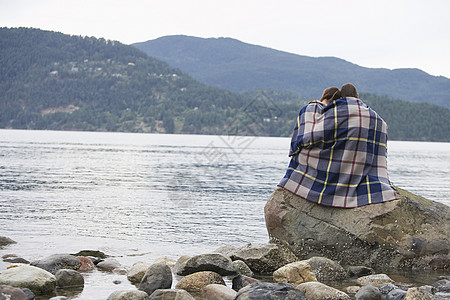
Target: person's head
x=349, y=90
x=328, y=94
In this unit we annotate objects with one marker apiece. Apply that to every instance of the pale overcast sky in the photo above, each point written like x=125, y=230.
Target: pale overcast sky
x=382, y=33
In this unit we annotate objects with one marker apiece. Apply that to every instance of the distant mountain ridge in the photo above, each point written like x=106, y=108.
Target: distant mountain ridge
x=237, y=66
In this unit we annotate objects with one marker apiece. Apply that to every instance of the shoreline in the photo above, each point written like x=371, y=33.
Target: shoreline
x=100, y=282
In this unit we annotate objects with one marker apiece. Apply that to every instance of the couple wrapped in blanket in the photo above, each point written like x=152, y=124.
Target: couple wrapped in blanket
x=338, y=152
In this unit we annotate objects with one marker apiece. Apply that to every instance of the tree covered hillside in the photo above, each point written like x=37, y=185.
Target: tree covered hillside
x=50, y=80
x=54, y=81
x=407, y=121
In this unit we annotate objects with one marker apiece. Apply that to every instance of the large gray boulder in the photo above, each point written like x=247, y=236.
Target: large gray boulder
x=38, y=280
x=215, y=262
x=55, y=262
x=405, y=233
x=158, y=276
x=67, y=278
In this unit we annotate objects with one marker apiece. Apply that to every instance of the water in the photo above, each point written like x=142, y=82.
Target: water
x=143, y=196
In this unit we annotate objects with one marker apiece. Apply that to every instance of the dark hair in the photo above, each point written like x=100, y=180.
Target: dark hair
x=349, y=90
x=328, y=93
x=336, y=95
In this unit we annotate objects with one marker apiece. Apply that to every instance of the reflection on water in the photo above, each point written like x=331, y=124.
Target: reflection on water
x=142, y=196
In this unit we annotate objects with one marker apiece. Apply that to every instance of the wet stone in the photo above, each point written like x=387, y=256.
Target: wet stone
x=171, y=294
x=270, y=291
x=359, y=271
x=157, y=276
x=9, y=292
x=241, y=281
x=128, y=295
x=369, y=292
x=214, y=262
x=55, y=262
x=108, y=265
x=66, y=278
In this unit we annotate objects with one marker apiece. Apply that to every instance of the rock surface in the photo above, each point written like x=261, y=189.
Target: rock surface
x=165, y=260
x=91, y=253
x=170, y=294
x=263, y=258
x=9, y=292
x=218, y=292
x=241, y=280
x=320, y=291
x=404, y=233
x=214, y=262
x=325, y=269
x=158, y=276
x=376, y=280
x=386, y=288
x=38, y=280
x=179, y=264
x=5, y=241
x=369, y=292
x=442, y=288
x=128, y=295
x=359, y=271
x=12, y=258
x=242, y=268
x=68, y=278
x=270, y=291
x=55, y=262
x=294, y=273
x=416, y=294
x=29, y=293
x=396, y=294
x=108, y=265
x=353, y=289
x=194, y=283
x=86, y=264
x=137, y=271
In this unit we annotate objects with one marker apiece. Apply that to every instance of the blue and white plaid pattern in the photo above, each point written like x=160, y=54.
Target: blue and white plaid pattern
x=339, y=155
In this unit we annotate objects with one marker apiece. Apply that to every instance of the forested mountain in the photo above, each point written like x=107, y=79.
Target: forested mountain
x=237, y=66
x=54, y=81
x=50, y=80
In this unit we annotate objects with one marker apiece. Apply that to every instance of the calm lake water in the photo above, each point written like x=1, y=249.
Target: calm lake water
x=142, y=196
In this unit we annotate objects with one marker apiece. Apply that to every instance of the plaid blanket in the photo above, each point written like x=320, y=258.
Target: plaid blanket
x=339, y=155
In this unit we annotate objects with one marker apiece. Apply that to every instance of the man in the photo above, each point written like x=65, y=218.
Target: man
x=338, y=153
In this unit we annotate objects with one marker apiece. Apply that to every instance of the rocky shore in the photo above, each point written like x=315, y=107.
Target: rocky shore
x=263, y=271
x=315, y=253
